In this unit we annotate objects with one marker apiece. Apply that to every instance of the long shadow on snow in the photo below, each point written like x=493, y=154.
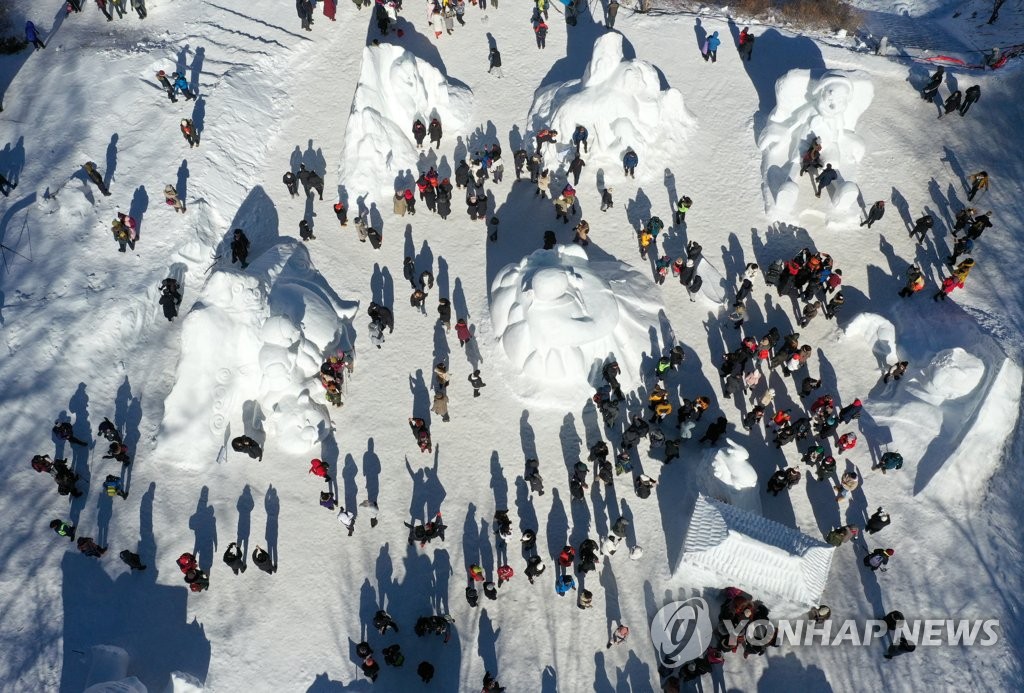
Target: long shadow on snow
x=779, y=54
x=86, y=596
x=579, y=49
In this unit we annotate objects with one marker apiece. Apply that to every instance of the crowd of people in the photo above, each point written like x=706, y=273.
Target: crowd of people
x=818, y=425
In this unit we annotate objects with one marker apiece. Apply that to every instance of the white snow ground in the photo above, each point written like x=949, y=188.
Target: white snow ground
x=85, y=335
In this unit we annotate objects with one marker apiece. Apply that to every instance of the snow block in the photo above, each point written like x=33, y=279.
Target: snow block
x=777, y=564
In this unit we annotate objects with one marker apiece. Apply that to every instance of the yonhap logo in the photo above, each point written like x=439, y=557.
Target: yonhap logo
x=681, y=631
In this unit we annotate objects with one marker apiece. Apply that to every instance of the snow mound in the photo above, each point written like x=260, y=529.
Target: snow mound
x=621, y=103
x=813, y=104
x=108, y=672
x=952, y=374
x=876, y=330
x=395, y=88
x=777, y=564
x=559, y=316
x=184, y=683
x=730, y=478
x=259, y=335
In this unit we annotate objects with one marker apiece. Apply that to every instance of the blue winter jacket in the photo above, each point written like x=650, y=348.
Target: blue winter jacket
x=181, y=84
x=630, y=160
x=30, y=32
x=714, y=42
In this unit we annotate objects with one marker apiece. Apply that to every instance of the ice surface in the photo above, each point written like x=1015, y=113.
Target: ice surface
x=813, y=104
x=559, y=316
x=621, y=103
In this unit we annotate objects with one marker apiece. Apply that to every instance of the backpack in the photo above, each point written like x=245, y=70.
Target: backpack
x=695, y=284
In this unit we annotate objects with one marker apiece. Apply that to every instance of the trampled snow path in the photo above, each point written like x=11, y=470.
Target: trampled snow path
x=77, y=312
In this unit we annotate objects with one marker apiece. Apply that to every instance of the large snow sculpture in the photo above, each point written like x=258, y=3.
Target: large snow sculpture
x=395, y=88
x=811, y=104
x=257, y=335
x=951, y=374
x=558, y=316
x=621, y=103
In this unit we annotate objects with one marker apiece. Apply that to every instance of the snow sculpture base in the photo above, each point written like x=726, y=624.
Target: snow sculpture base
x=395, y=88
x=621, y=103
x=256, y=335
x=811, y=104
x=559, y=316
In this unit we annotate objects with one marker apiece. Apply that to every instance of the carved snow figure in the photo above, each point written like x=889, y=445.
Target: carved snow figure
x=811, y=104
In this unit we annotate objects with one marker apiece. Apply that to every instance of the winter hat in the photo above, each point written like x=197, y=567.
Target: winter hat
x=889, y=552
x=856, y=403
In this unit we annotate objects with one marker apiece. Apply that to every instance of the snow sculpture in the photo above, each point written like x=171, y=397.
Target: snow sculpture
x=621, y=103
x=257, y=335
x=951, y=374
x=808, y=105
x=729, y=477
x=558, y=315
x=395, y=88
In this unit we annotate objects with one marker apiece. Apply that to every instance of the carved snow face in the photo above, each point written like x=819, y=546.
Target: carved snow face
x=833, y=97
x=556, y=314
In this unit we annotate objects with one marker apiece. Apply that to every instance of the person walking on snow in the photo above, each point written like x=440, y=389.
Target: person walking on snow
x=96, y=177
x=629, y=163
x=161, y=77
x=171, y=198
x=494, y=62
x=921, y=227
x=949, y=284
x=710, y=48
x=32, y=36
x=876, y=213
x=952, y=103
x=419, y=132
x=972, y=95
x=181, y=85
x=932, y=88
x=826, y=178
x=188, y=131
x=541, y=30
x=613, y=9
x=878, y=559
x=240, y=248
x=746, y=44
x=291, y=182
x=979, y=182
x=618, y=637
